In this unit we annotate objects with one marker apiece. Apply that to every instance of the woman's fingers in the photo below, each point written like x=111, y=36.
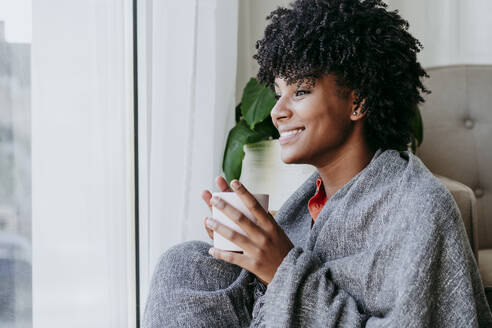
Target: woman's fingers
x=221, y=182
x=237, y=238
x=209, y=231
x=252, y=229
x=207, y=195
x=265, y=220
x=223, y=187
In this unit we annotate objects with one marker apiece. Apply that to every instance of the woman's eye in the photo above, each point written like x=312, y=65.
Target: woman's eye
x=297, y=94
x=301, y=92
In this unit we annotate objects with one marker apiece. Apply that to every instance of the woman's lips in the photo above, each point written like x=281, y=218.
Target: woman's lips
x=286, y=139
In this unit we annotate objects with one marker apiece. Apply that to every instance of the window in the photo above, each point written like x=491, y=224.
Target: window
x=66, y=164
x=15, y=165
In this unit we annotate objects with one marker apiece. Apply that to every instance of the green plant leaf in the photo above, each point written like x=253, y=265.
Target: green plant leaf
x=266, y=129
x=234, y=153
x=238, y=113
x=256, y=103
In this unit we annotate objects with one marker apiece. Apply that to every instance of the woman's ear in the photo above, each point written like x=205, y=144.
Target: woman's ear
x=357, y=109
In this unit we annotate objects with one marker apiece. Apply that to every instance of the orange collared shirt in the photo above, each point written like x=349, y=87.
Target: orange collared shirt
x=316, y=203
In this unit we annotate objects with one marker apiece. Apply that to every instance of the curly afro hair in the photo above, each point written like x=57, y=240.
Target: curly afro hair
x=365, y=46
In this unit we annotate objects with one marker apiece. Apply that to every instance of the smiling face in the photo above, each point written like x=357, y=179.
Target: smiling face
x=325, y=117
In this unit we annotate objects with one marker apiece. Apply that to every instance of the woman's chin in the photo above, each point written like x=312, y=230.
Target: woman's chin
x=290, y=157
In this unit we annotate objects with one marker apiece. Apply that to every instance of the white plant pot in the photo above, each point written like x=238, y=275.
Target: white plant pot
x=263, y=172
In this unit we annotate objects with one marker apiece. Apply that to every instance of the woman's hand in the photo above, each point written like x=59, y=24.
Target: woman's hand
x=265, y=245
x=206, y=195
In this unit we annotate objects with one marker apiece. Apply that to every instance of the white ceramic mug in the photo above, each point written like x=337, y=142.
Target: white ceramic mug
x=233, y=199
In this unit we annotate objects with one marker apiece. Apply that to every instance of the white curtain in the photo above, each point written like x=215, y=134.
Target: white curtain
x=451, y=31
x=187, y=75
x=82, y=164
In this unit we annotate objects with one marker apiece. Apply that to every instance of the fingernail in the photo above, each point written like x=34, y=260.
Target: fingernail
x=235, y=184
x=211, y=223
x=211, y=251
x=217, y=202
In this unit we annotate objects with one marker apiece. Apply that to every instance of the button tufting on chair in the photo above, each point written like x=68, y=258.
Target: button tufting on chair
x=478, y=192
x=469, y=123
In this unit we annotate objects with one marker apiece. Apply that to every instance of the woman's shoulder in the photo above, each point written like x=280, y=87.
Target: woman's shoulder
x=425, y=188
x=422, y=197
x=402, y=177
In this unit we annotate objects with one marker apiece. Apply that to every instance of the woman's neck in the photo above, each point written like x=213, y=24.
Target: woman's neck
x=345, y=163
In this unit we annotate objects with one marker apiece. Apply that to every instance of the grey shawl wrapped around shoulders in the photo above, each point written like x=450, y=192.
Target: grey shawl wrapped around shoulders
x=389, y=249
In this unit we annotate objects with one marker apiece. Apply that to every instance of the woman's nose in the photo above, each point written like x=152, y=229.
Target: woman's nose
x=280, y=111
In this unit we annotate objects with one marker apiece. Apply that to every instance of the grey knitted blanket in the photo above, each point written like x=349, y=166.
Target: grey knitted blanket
x=389, y=249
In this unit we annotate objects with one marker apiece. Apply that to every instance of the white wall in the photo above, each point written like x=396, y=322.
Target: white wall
x=451, y=31
x=252, y=23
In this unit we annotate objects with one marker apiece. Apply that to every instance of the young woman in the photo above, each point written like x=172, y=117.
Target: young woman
x=372, y=238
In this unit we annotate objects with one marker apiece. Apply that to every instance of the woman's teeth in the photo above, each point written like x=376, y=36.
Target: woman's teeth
x=291, y=132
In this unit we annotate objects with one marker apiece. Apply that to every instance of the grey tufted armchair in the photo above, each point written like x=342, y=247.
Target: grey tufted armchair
x=457, y=120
